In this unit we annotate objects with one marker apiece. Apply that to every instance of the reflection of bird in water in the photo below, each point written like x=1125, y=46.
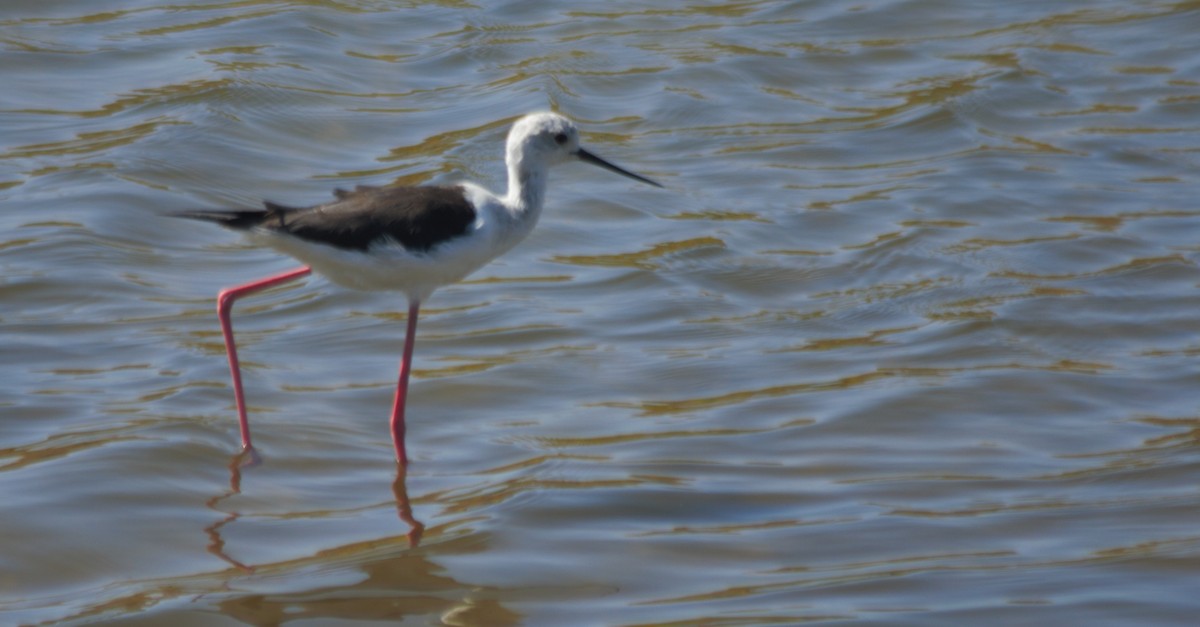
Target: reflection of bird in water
x=406, y=239
x=404, y=508
x=216, y=544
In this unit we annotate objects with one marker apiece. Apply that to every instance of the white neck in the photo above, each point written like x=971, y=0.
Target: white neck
x=526, y=189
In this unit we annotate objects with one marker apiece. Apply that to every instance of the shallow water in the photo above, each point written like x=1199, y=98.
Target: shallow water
x=910, y=338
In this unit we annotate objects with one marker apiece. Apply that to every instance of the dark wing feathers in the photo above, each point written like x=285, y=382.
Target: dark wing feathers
x=419, y=218
x=416, y=217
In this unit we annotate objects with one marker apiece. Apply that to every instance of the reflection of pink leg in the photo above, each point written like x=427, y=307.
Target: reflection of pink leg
x=224, y=306
x=410, y=338
x=404, y=508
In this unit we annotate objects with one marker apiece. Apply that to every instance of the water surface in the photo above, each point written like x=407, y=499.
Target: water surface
x=909, y=338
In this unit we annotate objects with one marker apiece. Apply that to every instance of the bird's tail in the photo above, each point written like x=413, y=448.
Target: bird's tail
x=240, y=219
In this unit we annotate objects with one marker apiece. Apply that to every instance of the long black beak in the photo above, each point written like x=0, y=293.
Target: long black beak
x=588, y=157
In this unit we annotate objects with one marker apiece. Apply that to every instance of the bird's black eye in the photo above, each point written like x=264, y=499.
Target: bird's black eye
x=560, y=139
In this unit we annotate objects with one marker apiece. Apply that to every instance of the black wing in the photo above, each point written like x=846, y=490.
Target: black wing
x=419, y=218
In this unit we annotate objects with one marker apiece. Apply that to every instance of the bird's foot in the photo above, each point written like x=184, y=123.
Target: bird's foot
x=248, y=458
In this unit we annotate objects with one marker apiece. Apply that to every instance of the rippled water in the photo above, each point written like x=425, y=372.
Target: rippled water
x=910, y=338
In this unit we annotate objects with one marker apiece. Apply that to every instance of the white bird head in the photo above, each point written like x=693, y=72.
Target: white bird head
x=540, y=140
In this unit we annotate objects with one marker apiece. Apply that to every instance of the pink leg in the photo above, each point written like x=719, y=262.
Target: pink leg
x=410, y=338
x=224, y=306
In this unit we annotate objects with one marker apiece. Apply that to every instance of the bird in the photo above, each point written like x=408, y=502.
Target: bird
x=407, y=239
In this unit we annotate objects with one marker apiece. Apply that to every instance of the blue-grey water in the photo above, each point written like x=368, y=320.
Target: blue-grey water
x=911, y=337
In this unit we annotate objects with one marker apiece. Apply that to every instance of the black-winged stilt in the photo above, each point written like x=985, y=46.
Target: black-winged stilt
x=406, y=239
